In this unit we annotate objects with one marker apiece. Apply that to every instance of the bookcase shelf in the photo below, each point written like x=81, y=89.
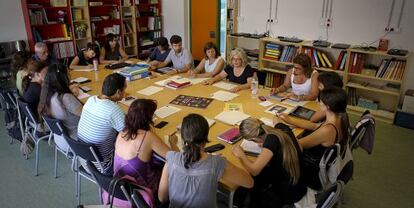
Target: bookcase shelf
x=373, y=89
x=330, y=70
x=372, y=78
x=382, y=115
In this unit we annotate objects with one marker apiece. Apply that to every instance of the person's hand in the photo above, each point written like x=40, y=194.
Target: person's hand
x=90, y=66
x=208, y=82
x=235, y=89
x=74, y=88
x=172, y=72
x=173, y=139
x=273, y=91
x=152, y=68
x=238, y=151
x=192, y=74
x=284, y=117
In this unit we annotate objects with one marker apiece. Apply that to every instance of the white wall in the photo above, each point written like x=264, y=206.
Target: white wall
x=175, y=14
x=353, y=21
x=11, y=21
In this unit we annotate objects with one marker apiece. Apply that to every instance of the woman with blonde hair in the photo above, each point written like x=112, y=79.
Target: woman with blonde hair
x=238, y=71
x=277, y=170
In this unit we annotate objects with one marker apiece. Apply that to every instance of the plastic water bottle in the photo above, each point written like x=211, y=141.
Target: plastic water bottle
x=254, y=85
x=95, y=64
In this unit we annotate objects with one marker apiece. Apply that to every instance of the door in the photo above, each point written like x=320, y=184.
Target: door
x=204, y=25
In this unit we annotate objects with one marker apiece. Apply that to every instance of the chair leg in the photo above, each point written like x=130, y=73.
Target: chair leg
x=78, y=185
x=231, y=196
x=56, y=161
x=100, y=195
x=37, y=159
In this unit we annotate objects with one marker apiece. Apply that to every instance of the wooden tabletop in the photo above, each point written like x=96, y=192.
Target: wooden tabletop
x=164, y=97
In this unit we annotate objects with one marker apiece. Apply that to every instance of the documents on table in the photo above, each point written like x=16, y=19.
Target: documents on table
x=279, y=108
x=80, y=80
x=198, y=80
x=266, y=103
x=83, y=95
x=224, y=85
x=251, y=147
x=166, y=111
x=150, y=90
x=165, y=81
x=128, y=100
x=267, y=121
x=231, y=117
x=224, y=95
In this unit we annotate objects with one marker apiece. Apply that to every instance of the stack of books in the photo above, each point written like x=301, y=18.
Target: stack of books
x=318, y=58
x=134, y=72
x=391, y=69
x=178, y=83
x=272, y=51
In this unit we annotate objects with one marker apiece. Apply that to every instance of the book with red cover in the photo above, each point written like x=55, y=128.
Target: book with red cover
x=230, y=136
x=339, y=60
x=177, y=85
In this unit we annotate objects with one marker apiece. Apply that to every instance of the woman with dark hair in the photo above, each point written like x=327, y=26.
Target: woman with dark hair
x=112, y=52
x=57, y=100
x=190, y=178
x=335, y=129
x=32, y=84
x=160, y=52
x=302, y=78
x=278, y=170
x=211, y=64
x=20, y=67
x=136, y=144
x=85, y=57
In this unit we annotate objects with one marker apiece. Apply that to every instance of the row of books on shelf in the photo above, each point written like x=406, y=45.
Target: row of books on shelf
x=357, y=63
x=274, y=79
x=154, y=23
x=391, y=69
x=355, y=100
x=341, y=61
x=38, y=37
x=128, y=40
x=145, y=1
x=77, y=14
x=128, y=27
x=318, y=58
x=63, y=50
x=280, y=53
x=39, y=17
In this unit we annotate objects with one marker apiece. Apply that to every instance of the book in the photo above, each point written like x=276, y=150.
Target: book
x=230, y=136
x=178, y=84
x=339, y=60
x=164, y=70
x=80, y=80
x=342, y=66
x=251, y=147
x=231, y=117
x=302, y=112
x=233, y=107
x=277, y=109
x=328, y=63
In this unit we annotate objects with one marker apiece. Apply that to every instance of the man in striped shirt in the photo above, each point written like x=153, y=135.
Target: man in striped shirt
x=102, y=119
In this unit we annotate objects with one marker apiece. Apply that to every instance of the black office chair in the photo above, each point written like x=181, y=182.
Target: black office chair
x=57, y=131
x=83, y=152
x=118, y=188
x=30, y=126
x=331, y=196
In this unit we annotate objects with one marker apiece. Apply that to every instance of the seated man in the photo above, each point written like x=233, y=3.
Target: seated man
x=42, y=54
x=102, y=119
x=180, y=57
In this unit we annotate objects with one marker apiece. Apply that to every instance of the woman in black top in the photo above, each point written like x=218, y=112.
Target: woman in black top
x=112, y=52
x=278, y=168
x=238, y=71
x=85, y=57
x=32, y=84
x=334, y=130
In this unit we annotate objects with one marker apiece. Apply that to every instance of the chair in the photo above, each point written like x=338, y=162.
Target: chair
x=83, y=152
x=56, y=132
x=366, y=124
x=331, y=196
x=346, y=173
x=122, y=190
x=30, y=126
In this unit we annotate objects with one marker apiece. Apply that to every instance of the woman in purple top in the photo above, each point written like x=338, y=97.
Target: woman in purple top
x=135, y=145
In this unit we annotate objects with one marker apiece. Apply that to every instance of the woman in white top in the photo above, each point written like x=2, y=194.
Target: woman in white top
x=302, y=78
x=211, y=64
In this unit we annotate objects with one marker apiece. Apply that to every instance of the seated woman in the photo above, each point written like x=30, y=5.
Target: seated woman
x=112, y=52
x=326, y=80
x=302, y=78
x=84, y=59
x=190, y=178
x=160, y=52
x=278, y=170
x=135, y=145
x=211, y=64
x=238, y=71
x=20, y=66
x=32, y=84
x=57, y=101
x=333, y=130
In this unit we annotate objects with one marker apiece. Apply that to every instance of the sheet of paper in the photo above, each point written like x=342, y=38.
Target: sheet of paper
x=267, y=121
x=231, y=117
x=251, y=146
x=79, y=79
x=224, y=85
x=195, y=81
x=165, y=81
x=83, y=95
x=166, y=111
x=266, y=103
x=150, y=90
x=224, y=95
x=128, y=100
x=83, y=70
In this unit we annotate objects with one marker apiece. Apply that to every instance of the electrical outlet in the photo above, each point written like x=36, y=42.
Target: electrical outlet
x=393, y=29
x=325, y=22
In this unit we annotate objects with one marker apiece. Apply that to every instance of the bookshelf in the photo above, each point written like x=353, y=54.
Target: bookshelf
x=232, y=14
x=105, y=17
x=80, y=18
x=149, y=23
x=129, y=29
x=367, y=75
x=49, y=22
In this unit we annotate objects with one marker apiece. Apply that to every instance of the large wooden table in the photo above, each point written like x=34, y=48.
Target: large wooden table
x=250, y=106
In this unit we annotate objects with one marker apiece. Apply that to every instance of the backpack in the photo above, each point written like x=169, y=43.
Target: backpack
x=11, y=118
x=332, y=164
x=27, y=145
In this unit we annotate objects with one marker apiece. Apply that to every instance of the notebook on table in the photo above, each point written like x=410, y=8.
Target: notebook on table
x=230, y=136
x=302, y=112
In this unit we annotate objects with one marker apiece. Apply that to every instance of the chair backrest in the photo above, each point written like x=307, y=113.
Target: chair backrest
x=138, y=200
x=331, y=196
x=54, y=125
x=27, y=112
x=85, y=151
x=331, y=155
x=346, y=173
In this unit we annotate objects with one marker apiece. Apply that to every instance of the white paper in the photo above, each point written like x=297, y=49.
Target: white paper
x=295, y=103
x=224, y=95
x=267, y=121
x=251, y=146
x=165, y=81
x=231, y=117
x=83, y=95
x=224, y=85
x=128, y=100
x=166, y=111
x=195, y=81
x=80, y=79
x=266, y=103
x=83, y=70
x=150, y=90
